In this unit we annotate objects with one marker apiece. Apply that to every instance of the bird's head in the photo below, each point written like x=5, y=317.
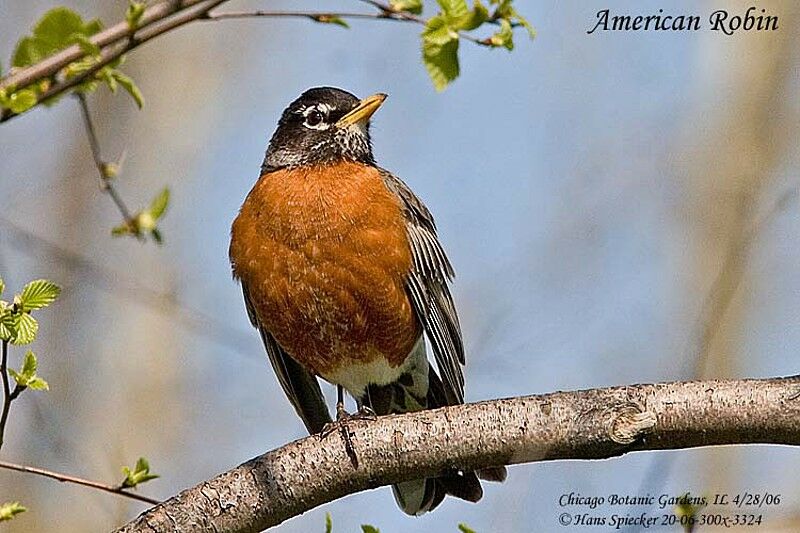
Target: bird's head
x=323, y=125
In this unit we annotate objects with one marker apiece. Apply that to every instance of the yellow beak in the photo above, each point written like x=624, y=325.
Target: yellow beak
x=362, y=111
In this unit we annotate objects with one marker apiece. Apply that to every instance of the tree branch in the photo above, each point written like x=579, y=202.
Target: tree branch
x=590, y=424
x=119, y=490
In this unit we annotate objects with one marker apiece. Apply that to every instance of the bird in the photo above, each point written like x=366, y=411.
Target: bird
x=344, y=277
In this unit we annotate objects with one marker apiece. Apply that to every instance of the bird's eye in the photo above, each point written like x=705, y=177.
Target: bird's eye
x=314, y=118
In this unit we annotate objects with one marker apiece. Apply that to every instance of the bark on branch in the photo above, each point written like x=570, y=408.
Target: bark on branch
x=589, y=424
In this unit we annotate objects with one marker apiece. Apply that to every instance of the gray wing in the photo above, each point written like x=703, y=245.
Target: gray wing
x=427, y=286
x=300, y=386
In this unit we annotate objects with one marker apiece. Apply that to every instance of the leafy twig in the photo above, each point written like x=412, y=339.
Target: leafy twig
x=118, y=489
x=118, y=40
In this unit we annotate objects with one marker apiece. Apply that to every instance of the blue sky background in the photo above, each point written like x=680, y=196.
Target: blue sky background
x=564, y=180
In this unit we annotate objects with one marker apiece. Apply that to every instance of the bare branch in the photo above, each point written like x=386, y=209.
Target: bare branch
x=78, y=481
x=590, y=424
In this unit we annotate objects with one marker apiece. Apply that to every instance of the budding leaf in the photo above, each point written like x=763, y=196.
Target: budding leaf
x=130, y=87
x=328, y=523
x=159, y=204
x=410, y=6
x=9, y=509
x=139, y=474
x=504, y=37
x=464, y=528
x=366, y=528
x=2, y=286
x=38, y=294
x=27, y=377
x=134, y=14
x=331, y=19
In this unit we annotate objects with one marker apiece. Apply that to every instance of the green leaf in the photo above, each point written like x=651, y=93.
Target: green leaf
x=454, y=9
x=366, y=528
x=331, y=19
x=20, y=101
x=437, y=31
x=134, y=14
x=410, y=6
x=38, y=294
x=440, y=52
x=475, y=18
x=139, y=474
x=130, y=87
x=56, y=27
x=328, y=523
x=26, y=330
x=8, y=322
x=159, y=204
x=464, y=528
x=27, y=53
x=9, y=509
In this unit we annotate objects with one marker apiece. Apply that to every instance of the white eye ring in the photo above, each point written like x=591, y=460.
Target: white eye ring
x=316, y=117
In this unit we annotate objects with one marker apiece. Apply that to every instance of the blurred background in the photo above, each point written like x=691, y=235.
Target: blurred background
x=620, y=208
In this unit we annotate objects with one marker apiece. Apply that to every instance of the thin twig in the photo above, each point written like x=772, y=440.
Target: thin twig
x=102, y=166
x=315, y=16
x=6, y=390
x=78, y=481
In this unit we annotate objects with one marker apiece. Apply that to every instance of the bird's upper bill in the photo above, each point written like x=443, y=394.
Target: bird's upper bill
x=363, y=111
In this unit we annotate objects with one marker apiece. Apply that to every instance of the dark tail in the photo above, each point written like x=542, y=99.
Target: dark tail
x=415, y=391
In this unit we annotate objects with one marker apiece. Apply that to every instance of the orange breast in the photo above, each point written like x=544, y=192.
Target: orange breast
x=324, y=253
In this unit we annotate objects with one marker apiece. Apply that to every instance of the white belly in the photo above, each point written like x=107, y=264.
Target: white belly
x=355, y=378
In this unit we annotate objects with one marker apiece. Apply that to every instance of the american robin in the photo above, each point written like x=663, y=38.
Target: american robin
x=343, y=275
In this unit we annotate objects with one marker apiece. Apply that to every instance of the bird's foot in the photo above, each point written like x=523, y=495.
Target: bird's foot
x=342, y=424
